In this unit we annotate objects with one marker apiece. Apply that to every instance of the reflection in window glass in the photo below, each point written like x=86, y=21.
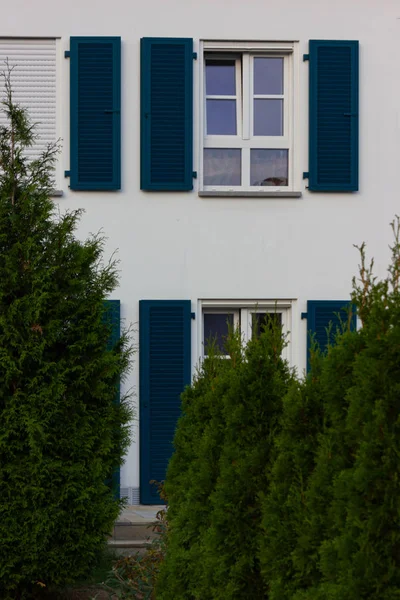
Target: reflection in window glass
x=259, y=321
x=220, y=78
x=268, y=167
x=222, y=166
x=221, y=117
x=216, y=329
x=268, y=117
x=268, y=76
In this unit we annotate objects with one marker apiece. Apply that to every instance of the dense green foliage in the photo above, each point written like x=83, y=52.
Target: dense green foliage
x=357, y=462
x=61, y=432
x=223, y=451
x=284, y=488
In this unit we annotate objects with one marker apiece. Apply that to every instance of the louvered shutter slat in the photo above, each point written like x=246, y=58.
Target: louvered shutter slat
x=165, y=366
x=33, y=81
x=333, y=116
x=95, y=113
x=166, y=114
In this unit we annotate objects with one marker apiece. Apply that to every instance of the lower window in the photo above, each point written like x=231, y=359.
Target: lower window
x=218, y=317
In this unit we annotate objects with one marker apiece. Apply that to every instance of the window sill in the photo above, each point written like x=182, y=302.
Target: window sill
x=238, y=194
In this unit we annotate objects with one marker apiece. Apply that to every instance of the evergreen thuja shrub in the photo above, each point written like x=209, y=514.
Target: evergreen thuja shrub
x=192, y=475
x=284, y=505
x=360, y=560
x=252, y=408
x=351, y=540
x=61, y=432
x=311, y=450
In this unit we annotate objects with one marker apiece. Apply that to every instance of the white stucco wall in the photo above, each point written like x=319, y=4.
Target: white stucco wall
x=178, y=245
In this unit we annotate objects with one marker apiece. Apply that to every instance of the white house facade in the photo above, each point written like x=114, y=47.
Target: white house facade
x=232, y=152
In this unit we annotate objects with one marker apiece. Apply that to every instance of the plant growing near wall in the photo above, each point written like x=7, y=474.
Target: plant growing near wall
x=224, y=445
x=191, y=477
x=337, y=533
x=286, y=488
x=283, y=505
x=61, y=432
x=359, y=556
x=310, y=449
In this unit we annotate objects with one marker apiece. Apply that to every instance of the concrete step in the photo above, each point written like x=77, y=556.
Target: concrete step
x=133, y=544
x=133, y=531
x=129, y=547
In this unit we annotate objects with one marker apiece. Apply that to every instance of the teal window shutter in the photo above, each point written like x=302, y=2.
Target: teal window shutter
x=166, y=114
x=112, y=315
x=322, y=314
x=333, y=116
x=165, y=370
x=95, y=113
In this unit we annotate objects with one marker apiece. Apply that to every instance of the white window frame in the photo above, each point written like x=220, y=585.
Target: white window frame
x=245, y=140
x=242, y=311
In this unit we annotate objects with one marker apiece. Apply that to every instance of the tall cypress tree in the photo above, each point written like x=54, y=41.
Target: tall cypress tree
x=61, y=431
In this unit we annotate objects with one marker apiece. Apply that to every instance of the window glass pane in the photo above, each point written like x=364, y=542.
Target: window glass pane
x=268, y=117
x=222, y=166
x=268, y=167
x=220, y=78
x=216, y=328
x=259, y=321
x=221, y=117
x=268, y=76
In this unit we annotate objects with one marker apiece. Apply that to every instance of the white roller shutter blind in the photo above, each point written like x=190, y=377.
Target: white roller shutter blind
x=33, y=83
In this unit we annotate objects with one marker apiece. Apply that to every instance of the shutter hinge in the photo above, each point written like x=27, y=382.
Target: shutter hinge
x=194, y=174
x=194, y=55
x=304, y=315
x=67, y=173
x=306, y=175
x=306, y=57
x=193, y=315
x=67, y=53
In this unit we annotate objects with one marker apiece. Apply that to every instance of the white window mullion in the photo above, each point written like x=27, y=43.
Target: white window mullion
x=251, y=94
x=245, y=167
x=239, y=103
x=278, y=142
x=246, y=62
x=222, y=141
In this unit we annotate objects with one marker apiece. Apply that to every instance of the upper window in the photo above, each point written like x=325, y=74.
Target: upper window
x=247, y=110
